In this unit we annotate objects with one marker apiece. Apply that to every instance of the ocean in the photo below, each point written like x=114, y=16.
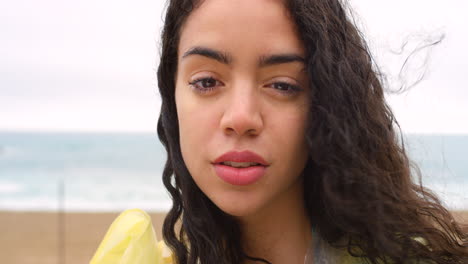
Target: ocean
x=85, y=172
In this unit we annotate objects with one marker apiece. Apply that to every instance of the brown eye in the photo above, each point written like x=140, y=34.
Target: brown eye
x=205, y=84
x=285, y=88
x=208, y=83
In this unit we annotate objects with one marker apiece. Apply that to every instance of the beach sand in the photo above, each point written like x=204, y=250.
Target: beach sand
x=27, y=237
x=35, y=237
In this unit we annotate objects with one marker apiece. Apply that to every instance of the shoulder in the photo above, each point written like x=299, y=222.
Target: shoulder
x=325, y=253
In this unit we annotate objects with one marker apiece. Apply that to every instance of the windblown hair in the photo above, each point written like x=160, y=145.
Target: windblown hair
x=358, y=179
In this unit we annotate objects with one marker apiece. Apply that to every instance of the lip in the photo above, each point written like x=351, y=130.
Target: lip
x=240, y=176
x=241, y=156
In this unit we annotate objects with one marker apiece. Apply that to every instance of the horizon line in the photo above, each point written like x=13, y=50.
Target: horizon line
x=67, y=131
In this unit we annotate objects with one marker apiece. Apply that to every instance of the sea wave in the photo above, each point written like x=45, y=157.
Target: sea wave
x=81, y=205
x=10, y=187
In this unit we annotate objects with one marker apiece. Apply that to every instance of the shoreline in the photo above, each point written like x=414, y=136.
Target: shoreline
x=69, y=237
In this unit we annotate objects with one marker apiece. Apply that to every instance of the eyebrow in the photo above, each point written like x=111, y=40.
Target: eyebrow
x=280, y=59
x=225, y=58
x=209, y=53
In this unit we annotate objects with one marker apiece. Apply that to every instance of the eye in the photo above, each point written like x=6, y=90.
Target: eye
x=205, y=84
x=286, y=88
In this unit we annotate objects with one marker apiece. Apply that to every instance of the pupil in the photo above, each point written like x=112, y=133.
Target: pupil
x=281, y=86
x=208, y=82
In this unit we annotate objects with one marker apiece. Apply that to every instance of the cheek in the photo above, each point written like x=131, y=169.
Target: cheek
x=196, y=126
x=289, y=133
x=290, y=125
x=187, y=115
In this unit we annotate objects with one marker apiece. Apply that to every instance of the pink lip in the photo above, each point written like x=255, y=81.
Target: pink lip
x=244, y=156
x=240, y=176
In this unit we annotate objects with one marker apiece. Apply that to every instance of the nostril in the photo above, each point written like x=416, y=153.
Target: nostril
x=242, y=121
x=252, y=131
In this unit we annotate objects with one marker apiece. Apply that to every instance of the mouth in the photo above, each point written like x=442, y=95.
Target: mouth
x=242, y=159
x=240, y=168
x=240, y=164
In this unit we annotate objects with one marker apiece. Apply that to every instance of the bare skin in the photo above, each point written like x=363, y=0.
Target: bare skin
x=285, y=237
x=242, y=99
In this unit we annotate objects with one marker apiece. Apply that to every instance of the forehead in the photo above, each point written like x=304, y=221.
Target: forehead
x=241, y=27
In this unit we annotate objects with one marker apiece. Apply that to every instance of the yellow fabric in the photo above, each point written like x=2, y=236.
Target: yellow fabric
x=130, y=240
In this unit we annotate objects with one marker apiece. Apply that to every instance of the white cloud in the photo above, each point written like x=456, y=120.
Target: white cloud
x=83, y=65
x=89, y=65
x=437, y=104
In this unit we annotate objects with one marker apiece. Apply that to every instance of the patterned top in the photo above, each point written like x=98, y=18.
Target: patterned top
x=320, y=252
x=323, y=253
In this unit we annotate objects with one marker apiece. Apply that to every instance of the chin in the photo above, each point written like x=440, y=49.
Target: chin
x=238, y=211
x=238, y=207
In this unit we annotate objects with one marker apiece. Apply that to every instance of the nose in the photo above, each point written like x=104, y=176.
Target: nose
x=242, y=115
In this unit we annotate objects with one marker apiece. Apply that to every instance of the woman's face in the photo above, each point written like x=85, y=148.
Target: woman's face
x=241, y=89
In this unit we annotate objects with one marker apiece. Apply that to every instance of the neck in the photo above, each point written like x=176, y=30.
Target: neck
x=281, y=232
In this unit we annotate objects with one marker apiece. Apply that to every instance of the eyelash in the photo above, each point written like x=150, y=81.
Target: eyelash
x=291, y=90
x=195, y=84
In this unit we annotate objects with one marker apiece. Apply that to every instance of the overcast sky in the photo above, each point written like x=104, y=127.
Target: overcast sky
x=90, y=65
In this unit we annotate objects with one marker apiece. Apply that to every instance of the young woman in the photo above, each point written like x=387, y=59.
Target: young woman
x=281, y=147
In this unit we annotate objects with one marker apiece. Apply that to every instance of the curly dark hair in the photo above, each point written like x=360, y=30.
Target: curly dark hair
x=358, y=179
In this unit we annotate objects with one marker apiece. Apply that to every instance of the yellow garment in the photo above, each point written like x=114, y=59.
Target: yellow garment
x=130, y=240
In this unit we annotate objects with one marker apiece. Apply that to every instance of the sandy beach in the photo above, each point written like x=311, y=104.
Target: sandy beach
x=35, y=237
x=28, y=237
